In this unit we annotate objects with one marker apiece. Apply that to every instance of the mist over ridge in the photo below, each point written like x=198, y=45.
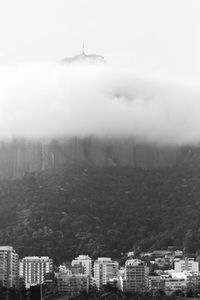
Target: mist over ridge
x=46, y=100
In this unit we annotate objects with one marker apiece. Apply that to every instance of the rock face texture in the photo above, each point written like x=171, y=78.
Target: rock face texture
x=19, y=157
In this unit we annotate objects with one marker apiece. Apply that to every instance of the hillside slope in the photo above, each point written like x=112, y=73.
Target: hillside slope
x=101, y=210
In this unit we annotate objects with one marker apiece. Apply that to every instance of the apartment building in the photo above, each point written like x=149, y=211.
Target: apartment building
x=33, y=269
x=105, y=270
x=135, y=275
x=84, y=263
x=9, y=267
x=187, y=264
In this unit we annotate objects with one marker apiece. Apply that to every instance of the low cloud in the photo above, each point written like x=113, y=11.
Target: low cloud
x=50, y=100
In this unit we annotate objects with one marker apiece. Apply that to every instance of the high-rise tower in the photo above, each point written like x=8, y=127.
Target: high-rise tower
x=9, y=267
x=85, y=261
x=104, y=270
x=135, y=277
x=34, y=268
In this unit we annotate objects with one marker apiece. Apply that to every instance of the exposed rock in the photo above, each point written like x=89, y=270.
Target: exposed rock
x=19, y=157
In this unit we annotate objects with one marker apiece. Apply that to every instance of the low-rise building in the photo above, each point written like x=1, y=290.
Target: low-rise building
x=188, y=264
x=161, y=253
x=72, y=284
x=178, y=253
x=156, y=283
x=173, y=284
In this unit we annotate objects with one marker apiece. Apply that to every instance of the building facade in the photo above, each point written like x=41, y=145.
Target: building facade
x=72, y=285
x=156, y=283
x=173, y=284
x=33, y=269
x=84, y=263
x=135, y=275
x=9, y=267
x=105, y=270
x=188, y=264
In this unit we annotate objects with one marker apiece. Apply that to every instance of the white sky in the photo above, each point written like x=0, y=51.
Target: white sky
x=161, y=36
x=150, y=88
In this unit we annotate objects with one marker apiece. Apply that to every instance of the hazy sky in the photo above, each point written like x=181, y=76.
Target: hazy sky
x=149, y=89
x=150, y=35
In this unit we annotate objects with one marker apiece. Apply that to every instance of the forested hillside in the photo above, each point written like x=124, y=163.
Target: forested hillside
x=101, y=210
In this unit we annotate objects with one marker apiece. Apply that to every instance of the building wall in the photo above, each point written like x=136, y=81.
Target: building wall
x=186, y=265
x=135, y=276
x=85, y=261
x=155, y=283
x=174, y=284
x=72, y=284
x=34, y=268
x=9, y=267
x=104, y=270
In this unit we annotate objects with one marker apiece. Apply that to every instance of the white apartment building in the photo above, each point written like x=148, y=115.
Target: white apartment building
x=9, y=267
x=85, y=261
x=104, y=270
x=188, y=264
x=33, y=269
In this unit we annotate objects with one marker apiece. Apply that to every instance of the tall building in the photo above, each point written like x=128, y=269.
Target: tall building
x=33, y=269
x=9, y=267
x=188, y=264
x=85, y=262
x=105, y=270
x=135, y=277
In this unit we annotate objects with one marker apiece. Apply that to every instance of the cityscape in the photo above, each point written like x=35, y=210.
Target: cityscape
x=165, y=273
x=99, y=150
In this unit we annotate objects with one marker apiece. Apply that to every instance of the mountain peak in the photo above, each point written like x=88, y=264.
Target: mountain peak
x=85, y=58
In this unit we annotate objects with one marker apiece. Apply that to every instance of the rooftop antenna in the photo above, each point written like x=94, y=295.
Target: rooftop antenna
x=83, y=49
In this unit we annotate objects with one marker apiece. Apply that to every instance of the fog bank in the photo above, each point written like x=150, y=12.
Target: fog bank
x=52, y=100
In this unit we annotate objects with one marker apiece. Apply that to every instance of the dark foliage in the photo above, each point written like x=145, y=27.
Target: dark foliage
x=101, y=211
x=110, y=293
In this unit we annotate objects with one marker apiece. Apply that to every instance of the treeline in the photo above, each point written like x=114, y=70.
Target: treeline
x=109, y=292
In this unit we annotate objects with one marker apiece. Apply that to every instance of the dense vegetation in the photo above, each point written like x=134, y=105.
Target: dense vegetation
x=111, y=293
x=101, y=211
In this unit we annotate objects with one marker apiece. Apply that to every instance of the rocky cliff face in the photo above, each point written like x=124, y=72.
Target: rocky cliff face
x=19, y=157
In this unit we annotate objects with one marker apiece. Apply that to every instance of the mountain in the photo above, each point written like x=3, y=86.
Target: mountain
x=101, y=210
x=20, y=156
x=99, y=196
x=96, y=196
x=85, y=59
